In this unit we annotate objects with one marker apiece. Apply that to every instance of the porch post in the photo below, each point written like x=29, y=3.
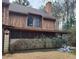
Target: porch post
x=6, y=41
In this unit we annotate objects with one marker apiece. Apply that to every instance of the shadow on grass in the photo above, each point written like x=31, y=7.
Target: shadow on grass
x=32, y=50
x=73, y=51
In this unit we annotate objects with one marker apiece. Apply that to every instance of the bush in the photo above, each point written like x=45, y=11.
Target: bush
x=48, y=43
x=24, y=44
x=18, y=45
x=57, y=42
x=53, y=42
x=72, y=37
x=43, y=42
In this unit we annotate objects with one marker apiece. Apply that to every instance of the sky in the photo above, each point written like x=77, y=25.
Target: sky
x=35, y=3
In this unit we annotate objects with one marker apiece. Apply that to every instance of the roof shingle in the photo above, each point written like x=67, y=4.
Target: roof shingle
x=5, y=1
x=25, y=10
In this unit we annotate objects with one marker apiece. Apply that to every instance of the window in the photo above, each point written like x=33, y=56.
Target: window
x=30, y=21
x=34, y=21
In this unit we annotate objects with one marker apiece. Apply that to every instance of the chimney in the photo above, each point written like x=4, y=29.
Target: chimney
x=48, y=8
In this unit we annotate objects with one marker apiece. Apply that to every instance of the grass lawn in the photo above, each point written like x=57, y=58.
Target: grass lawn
x=40, y=54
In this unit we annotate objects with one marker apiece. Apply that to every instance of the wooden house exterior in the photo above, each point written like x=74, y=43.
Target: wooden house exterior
x=26, y=22
x=20, y=20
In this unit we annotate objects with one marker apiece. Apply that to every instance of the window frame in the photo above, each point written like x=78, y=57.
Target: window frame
x=33, y=18
x=28, y=21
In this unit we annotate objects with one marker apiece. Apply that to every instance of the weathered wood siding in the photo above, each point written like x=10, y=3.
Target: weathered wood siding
x=18, y=20
x=5, y=15
x=48, y=24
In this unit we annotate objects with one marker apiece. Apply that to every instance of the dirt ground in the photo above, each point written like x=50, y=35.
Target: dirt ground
x=40, y=55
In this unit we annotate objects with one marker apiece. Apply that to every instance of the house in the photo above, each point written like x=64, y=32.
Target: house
x=25, y=22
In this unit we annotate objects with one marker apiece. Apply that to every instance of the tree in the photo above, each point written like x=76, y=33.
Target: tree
x=70, y=23
x=63, y=10
x=41, y=8
x=69, y=13
x=66, y=11
x=22, y=2
x=72, y=36
x=42, y=5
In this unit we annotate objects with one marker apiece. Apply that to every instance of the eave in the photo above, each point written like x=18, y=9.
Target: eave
x=35, y=29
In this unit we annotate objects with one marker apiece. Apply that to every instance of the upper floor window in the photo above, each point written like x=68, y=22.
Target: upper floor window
x=34, y=21
x=30, y=21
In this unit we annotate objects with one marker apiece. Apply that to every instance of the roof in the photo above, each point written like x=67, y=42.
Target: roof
x=5, y=1
x=26, y=10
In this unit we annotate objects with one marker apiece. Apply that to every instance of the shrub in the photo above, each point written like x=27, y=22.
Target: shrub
x=72, y=37
x=48, y=43
x=18, y=45
x=57, y=42
x=43, y=42
x=24, y=44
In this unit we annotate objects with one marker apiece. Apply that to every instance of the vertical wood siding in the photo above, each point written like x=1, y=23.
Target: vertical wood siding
x=18, y=20
x=5, y=15
x=48, y=24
